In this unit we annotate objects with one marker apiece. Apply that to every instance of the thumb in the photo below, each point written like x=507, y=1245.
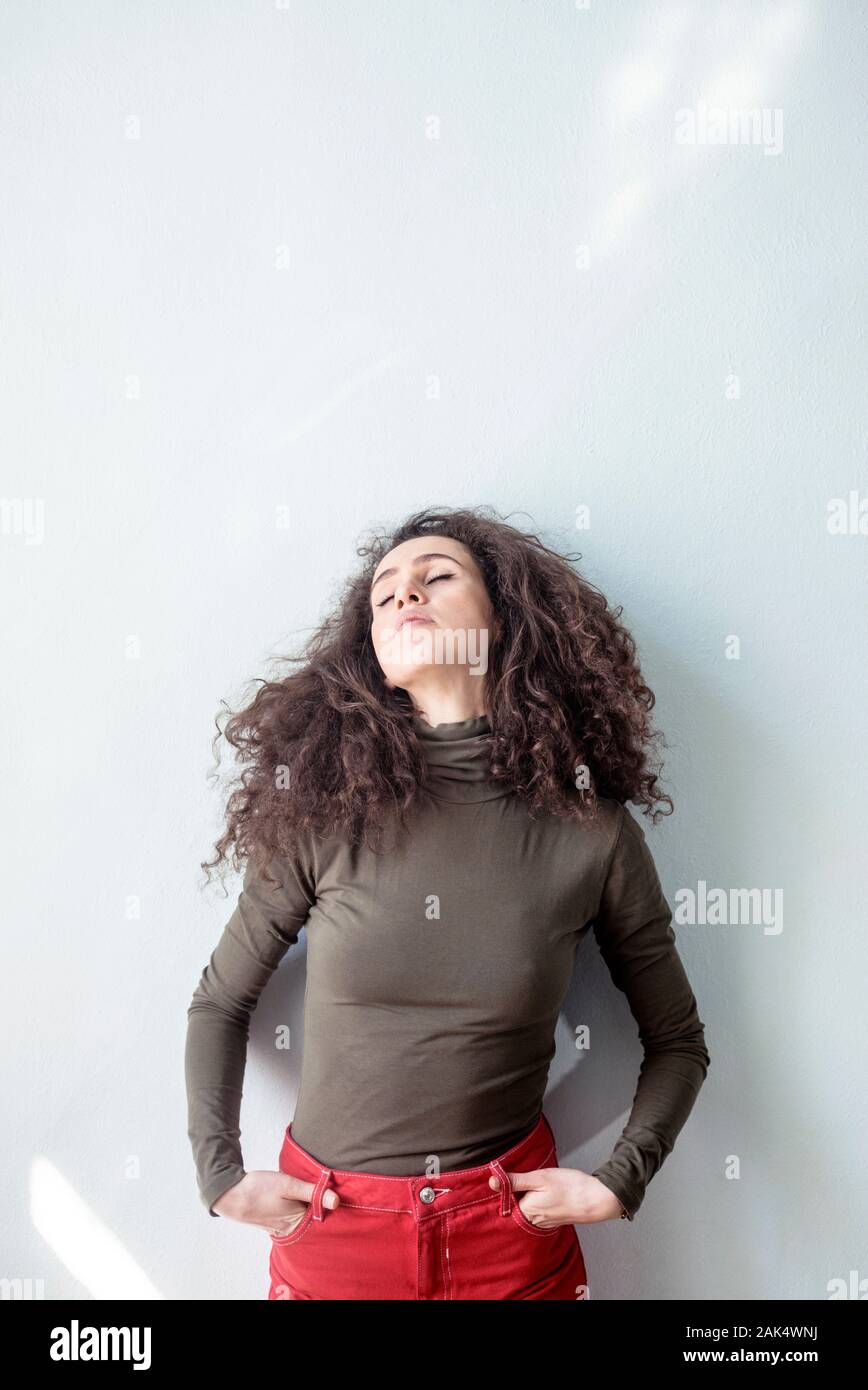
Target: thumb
x=519, y=1182
x=301, y=1191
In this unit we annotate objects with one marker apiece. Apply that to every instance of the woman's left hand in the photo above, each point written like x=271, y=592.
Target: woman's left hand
x=561, y=1197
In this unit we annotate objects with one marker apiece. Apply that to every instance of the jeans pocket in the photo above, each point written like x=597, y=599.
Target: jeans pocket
x=525, y=1224
x=298, y=1229
x=292, y=1169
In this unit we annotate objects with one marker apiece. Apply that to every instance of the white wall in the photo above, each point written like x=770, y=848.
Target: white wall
x=240, y=242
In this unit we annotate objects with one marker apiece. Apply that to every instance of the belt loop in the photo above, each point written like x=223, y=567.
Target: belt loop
x=505, y=1189
x=322, y=1183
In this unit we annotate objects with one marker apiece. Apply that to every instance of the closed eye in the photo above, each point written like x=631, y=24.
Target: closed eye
x=432, y=580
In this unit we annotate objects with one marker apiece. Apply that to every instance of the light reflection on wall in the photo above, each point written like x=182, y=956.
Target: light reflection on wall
x=81, y=1241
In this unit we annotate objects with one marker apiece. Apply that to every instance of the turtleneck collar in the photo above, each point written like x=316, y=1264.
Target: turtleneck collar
x=457, y=756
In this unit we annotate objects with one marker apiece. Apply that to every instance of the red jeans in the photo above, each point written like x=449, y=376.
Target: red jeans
x=446, y=1236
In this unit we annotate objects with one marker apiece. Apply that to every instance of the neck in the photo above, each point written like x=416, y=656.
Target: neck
x=459, y=701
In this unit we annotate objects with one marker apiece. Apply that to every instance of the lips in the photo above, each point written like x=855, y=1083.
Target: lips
x=402, y=622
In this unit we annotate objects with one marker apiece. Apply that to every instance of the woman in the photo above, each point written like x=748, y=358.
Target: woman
x=437, y=795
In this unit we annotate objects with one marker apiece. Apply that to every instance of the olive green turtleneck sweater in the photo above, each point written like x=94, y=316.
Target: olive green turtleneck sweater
x=436, y=971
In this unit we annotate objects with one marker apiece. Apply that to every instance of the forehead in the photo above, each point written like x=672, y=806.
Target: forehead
x=412, y=551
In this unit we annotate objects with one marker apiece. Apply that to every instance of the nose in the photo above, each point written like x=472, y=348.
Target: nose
x=406, y=592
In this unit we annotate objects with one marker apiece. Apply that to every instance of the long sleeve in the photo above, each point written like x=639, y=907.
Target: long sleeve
x=633, y=928
x=265, y=923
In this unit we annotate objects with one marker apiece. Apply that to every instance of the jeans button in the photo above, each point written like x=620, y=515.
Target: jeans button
x=427, y=1194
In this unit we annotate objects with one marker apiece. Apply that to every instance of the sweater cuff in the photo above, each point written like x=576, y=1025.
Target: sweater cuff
x=630, y=1199
x=217, y=1186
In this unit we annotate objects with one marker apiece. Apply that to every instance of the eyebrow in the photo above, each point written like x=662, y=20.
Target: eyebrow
x=417, y=560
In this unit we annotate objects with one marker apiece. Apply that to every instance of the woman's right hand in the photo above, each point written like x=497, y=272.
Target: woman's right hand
x=274, y=1200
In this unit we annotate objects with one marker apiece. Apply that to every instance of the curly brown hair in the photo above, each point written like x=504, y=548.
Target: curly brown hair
x=563, y=689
